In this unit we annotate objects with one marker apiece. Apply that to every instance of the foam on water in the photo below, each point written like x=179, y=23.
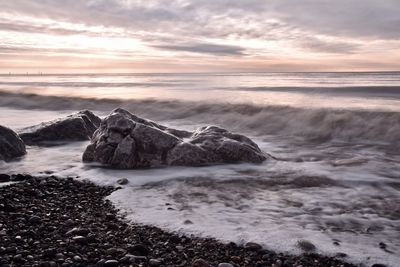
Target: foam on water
x=320, y=192
x=335, y=176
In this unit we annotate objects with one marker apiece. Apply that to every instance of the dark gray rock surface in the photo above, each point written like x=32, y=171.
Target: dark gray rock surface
x=76, y=127
x=11, y=145
x=126, y=141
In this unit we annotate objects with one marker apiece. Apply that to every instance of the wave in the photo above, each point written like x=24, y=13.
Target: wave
x=311, y=124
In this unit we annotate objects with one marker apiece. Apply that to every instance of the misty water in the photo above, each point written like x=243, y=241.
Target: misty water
x=334, y=179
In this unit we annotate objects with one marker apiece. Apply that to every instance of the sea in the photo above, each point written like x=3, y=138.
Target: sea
x=334, y=175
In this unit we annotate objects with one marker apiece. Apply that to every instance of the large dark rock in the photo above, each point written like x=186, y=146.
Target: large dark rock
x=76, y=127
x=125, y=141
x=11, y=146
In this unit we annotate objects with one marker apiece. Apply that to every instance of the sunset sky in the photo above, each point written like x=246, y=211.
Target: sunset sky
x=199, y=35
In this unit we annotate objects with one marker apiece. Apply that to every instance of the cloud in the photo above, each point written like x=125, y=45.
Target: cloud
x=328, y=46
x=204, y=48
x=286, y=29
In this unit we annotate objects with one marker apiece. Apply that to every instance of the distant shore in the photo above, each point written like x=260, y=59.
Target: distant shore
x=50, y=221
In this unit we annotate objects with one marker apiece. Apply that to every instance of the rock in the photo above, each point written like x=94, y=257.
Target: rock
x=122, y=181
x=75, y=127
x=126, y=141
x=138, y=250
x=111, y=263
x=35, y=219
x=378, y=265
x=252, y=246
x=306, y=245
x=4, y=178
x=79, y=239
x=224, y=264
x=200, y=263
x=155, y=262
x=11, y=145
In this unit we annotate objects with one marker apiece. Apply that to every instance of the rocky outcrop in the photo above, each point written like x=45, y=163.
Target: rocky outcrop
x=125, y=141
x=11, y=146
x=76, y=127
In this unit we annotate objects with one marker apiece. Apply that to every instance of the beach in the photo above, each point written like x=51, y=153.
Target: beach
x=332, y=180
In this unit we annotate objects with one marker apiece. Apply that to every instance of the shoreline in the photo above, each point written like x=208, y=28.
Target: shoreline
x=49, y=221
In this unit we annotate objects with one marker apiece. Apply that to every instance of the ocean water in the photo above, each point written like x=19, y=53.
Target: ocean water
x=335, y=137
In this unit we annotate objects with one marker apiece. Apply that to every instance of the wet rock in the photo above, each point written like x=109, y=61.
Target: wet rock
x=252, y=246
x=378, y=265
x=111, y=263
x=79, y=239
x=200, y=263
x=76, y=127
x=126, y=141
x=11, y=145
x=224, y=264
x=305, y=245
x=122, y=181
x=35, y=219
x=4, y=178
x=155, y=262
x=138, y=250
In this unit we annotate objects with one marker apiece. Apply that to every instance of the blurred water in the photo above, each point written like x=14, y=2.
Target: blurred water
x=335, y=136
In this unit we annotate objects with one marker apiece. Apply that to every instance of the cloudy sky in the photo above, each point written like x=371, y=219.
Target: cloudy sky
x=199, y=35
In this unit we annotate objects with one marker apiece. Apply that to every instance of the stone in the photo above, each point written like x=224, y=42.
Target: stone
x=224, y=264
x=252, y=246
x=126, y=141
x=4, y=178
x=111, y=263
x=76, y=127
x=11, y=145
x=155, y=262
x=122, y=181
x=200, y=263
x=138, y=250
x=306, y=245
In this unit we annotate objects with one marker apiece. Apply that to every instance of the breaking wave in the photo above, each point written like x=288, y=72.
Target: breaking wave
x=311, y=124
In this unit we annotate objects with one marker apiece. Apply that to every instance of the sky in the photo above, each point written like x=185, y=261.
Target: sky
x=73, y=36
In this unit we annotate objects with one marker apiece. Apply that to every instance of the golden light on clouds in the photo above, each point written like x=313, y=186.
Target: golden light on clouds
x=136, y=36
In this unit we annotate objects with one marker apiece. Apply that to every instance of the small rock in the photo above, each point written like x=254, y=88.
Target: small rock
x=378, y=265
x=382, y=245
x=76, y=258
x=4, y=178
x=79, y=239
x=123, y=181
x=187, y=222
x=111, y=263
x=200, y=263
x=224, y=264
x=306, y=245
x=252, y=246
x=139, y=250
x=236, y=259
x=154, y=262
x=35, y=219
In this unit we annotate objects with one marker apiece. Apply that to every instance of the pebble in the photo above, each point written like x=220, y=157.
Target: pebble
x=122, y=181
x=80, y=239
x=200, y=263
x=138, y=250
x=4, y=178
x=50, y=212
x=35, y=219
x=252, y=246
x=306, y=245
x=111, y=263
x=155, y=262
